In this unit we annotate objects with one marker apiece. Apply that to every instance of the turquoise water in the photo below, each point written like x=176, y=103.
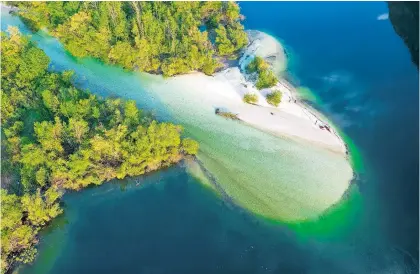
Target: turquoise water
x=174, y=224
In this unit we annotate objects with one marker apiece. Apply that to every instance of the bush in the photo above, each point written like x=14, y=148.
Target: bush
x=190, y=146
x=211, y=66
x=274, y=98
x=266, y=79
x=257, y=65
x=250, y=98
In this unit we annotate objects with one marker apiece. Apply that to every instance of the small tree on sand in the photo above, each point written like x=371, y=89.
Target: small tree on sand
x=250, y=98
x=274, y=98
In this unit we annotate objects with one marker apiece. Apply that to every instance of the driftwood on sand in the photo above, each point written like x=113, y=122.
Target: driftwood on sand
x=226, y=114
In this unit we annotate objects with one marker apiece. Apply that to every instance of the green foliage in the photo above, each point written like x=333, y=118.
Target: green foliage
x=41, y=176
x=190, y=146
x=17, y=234
x=250, y=98
x=224, y=45
x=156, y=37
x=21, y=218
x=59, y=137
x=21, y=64
x=274, y=98
x=77, y=129
x=266, y=77
x=39, y=209
x=230, y=39
x=258, y=64
x=11, y=211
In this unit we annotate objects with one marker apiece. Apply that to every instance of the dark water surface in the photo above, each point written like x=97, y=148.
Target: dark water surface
x=169, y=223
x=362, y=78
x=364, y=81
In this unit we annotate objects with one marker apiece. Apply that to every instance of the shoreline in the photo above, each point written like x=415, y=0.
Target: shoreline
x=293, y=120
x=291, y=108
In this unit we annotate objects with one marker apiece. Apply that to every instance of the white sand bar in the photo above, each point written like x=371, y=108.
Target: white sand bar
x=288, y=119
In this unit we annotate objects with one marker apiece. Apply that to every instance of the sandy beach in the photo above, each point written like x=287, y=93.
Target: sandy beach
x=294, y=177
x=291, y=118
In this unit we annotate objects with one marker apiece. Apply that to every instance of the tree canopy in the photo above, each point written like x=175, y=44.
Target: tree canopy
x=266, y=77
x=250, y=98
x=274, y=98
x=157, y=37
x=59, y=137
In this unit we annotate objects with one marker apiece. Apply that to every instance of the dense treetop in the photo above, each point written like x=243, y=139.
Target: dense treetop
x=266, y=77
x=274, y=98
x=58, y=137
x=157, y=37
x=250, y=98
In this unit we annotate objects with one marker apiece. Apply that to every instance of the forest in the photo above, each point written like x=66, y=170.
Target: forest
x=57, y=137
x=166, y=38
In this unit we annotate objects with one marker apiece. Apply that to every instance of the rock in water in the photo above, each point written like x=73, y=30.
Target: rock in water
x=404, y=17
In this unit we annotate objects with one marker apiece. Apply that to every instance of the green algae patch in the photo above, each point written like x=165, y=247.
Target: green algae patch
x=355, y=156
x=337, y=220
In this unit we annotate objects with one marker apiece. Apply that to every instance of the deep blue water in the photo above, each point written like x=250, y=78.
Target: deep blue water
x=365, y=82
x=167, y=222
x=362, y=72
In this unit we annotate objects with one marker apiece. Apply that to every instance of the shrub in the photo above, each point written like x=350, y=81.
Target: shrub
x=257, y=65
x=211, y=66
x=274, y=98
x=190, y=146
x=266, y=77
x=250, y=98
